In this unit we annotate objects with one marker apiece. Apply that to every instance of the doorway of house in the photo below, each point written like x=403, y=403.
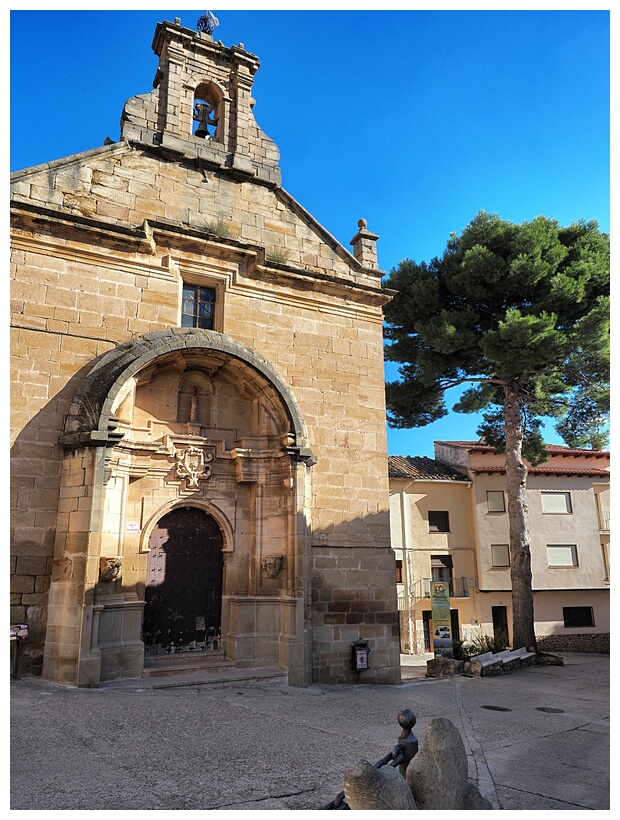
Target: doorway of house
x=183, y=593
x=427, y=624
x=500, y=623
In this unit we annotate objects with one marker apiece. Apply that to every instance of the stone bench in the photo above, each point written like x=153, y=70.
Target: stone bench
x=519, y=657
x=489, y=663
x=486, y=663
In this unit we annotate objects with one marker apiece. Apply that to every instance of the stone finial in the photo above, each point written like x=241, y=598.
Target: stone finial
x=364, y=246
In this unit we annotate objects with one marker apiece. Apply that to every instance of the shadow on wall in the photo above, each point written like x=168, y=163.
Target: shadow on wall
x=347, y=573
x=35, y=472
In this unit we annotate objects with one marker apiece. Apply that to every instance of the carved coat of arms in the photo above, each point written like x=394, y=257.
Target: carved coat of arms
x=191, y=463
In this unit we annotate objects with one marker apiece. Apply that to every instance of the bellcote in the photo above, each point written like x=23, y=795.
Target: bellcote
x=201, y=106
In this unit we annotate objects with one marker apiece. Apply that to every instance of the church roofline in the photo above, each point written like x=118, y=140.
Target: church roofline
x=143, y=235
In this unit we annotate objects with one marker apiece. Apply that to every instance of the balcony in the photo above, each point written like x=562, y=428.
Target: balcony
x=603, y=520
x=458, y=587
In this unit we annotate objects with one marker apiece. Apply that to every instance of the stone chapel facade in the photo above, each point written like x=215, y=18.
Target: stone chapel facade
x=198, y=455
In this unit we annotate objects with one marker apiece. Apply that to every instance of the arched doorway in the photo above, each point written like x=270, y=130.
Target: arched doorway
x=183, y=592
x=185, y=419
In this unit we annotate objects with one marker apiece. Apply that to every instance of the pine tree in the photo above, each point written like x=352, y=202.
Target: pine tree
x=519, y=313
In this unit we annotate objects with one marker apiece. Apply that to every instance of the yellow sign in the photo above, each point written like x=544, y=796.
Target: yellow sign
x=440, y=613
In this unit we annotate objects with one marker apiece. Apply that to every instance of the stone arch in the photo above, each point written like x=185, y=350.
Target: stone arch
x=209, y=92
x=252, y=471
x=91, y=420
x=203, y=504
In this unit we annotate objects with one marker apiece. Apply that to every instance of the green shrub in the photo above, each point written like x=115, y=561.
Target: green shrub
x=280, y=256
x=489, y=643
x=217, y=228
x=462, y=650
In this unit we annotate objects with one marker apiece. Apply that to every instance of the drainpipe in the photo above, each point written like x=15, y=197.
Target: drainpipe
x=405, y=537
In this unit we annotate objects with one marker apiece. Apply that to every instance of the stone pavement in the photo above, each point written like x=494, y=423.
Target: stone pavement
x=536, y=738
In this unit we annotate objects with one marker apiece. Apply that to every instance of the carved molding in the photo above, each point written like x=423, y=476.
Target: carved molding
x=272, y=565
x=110, y=569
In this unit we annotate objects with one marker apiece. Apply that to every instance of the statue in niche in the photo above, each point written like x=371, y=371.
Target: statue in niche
x=193, y=402
x=193, y=406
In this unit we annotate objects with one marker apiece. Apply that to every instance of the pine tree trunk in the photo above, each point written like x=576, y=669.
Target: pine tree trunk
x=520, y=557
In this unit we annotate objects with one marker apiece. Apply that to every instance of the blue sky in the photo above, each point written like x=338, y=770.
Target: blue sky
x=412, y=119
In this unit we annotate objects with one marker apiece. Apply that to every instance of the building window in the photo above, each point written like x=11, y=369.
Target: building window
x=438, y=521
x=575, y=616
x=562, y=555
x=495, y=501
x=399, y=572
x=441, y=568
x=556, y=503
x=198, y=306
x=500, y=555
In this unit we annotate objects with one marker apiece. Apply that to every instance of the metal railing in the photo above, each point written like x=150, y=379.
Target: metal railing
x=401, y=755
x=458, y=587
x=603, y=519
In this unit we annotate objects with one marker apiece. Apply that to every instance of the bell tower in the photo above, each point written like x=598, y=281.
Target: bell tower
x=201, y=105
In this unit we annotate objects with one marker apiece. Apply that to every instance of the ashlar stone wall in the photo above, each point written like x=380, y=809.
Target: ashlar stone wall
x=101, y=245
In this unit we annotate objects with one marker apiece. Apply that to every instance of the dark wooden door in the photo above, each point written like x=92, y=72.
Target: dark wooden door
x=427, y=624
x=183, y=593
x=500, y=623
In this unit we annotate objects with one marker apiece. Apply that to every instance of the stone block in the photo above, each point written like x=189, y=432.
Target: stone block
x=22, y=584
x=373, y=789
x=443, y=668
x=437, y=775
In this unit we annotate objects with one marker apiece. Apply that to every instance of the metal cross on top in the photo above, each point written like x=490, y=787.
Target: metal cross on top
x=207, y=23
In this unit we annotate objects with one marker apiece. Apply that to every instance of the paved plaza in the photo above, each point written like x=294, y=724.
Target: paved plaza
x=536, y=738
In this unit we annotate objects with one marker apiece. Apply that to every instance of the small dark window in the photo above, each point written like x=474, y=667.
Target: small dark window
x=438, y=521
x=441, y=568
x=198, y=307
x=399, y=572
x=578, y=616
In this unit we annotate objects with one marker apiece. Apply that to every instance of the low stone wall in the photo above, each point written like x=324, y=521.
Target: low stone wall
x=598, y=643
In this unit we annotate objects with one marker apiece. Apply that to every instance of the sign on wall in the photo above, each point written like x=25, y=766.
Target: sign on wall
x=440, y=606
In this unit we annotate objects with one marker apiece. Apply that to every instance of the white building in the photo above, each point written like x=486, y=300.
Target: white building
x=449, y=520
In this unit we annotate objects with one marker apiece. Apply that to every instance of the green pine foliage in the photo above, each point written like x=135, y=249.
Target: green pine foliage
x=524, y=307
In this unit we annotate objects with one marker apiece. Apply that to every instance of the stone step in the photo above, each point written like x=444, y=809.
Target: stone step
x=215, y=676
x=201, y=668
x=157, y=665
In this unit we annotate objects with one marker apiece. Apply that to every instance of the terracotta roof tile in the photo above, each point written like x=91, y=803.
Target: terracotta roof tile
x=477, y=446
x=594, y=471
x=552, y=449
x=422, y=468
x=559, y=450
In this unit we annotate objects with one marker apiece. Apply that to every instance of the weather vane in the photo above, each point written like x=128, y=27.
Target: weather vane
x=207, y=23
